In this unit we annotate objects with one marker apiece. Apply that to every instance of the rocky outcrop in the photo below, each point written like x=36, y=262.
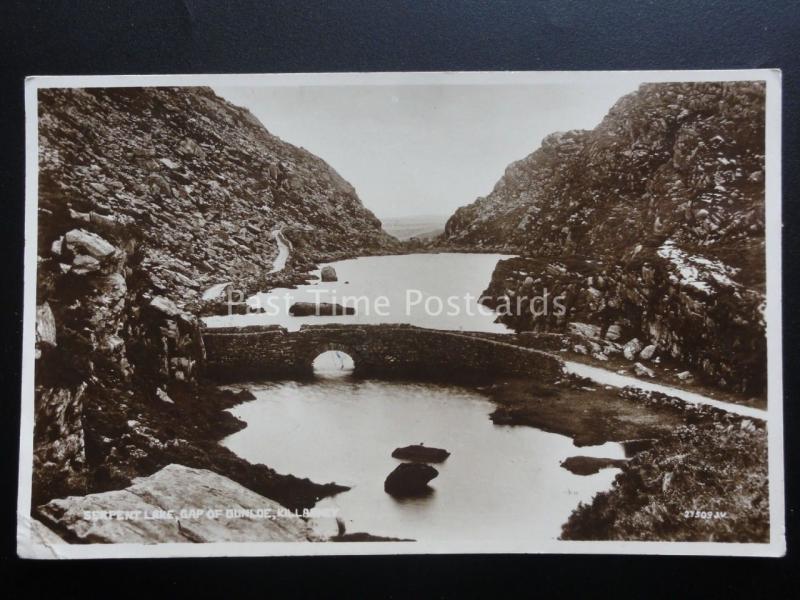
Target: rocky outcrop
x=59, y=444
x=201, y=181
x=148, y=198
x=652, y=223
x=176, y=504
x=410, y=479
x=328, y=273
x=420, y=453
x=45, y=329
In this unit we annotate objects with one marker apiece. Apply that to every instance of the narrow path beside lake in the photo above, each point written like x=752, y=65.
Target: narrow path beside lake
x=613, y=379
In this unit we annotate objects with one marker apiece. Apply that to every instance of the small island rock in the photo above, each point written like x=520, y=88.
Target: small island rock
x=328, y=274
x=323, y=309
x=409, y=479
x=420, y=453
x=589, y=465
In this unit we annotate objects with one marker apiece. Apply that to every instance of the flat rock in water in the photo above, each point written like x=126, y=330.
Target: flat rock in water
x=173, y=488
x=420, y=453
x=323, y=309
x=589, y=465
x=633, y=447
x=410, y=479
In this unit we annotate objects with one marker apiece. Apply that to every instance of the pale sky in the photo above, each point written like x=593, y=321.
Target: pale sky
x=425, y=149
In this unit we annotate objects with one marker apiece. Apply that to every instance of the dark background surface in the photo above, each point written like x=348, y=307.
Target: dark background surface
x=206, y=36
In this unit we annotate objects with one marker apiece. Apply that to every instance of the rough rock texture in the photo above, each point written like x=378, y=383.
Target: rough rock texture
x=328, y=273
x=201, y=180
x=149, y=197
x=653, y=223
x=59, y=444
x=174, y=488
x=410, y=479
x=42, y=535
x=45, y=328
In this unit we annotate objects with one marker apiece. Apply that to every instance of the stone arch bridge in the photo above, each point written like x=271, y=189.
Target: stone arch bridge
x=241, y=353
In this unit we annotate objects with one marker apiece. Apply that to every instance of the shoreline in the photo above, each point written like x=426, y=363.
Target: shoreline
x=703, y=400
x=652, y=427
x=183, y=430
x=619, y=415
x=698, y=459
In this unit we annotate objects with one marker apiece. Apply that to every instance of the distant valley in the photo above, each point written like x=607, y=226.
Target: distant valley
x=416, y=226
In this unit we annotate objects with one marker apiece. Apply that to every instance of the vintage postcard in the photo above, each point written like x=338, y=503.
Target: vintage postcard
x=391, y=313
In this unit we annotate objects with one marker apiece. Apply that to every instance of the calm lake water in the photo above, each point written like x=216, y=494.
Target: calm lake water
x=437, y=291
x=500, y=482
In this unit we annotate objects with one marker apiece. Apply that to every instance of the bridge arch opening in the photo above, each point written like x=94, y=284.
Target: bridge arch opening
x=333, y=363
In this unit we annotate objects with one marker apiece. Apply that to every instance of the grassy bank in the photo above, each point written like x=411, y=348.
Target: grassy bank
x=700, y=476
x=706, y=481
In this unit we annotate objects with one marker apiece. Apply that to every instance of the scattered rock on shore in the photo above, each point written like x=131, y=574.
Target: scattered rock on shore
x=410, y=479
x=244, y=395
x=642, y=371
x=632, y=348
x=328, y=274
x=420, y=453
x=647, y=352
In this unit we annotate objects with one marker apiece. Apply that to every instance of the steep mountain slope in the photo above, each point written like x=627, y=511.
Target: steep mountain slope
x=201, y=180
x=653, y=222
x=148, y=197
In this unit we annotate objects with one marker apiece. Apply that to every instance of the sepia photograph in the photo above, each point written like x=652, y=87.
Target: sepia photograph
x=402, y=313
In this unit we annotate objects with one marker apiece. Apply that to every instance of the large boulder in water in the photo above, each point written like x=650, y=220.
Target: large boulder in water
x=328, y=274
x=323, y=309
x=410, y=479
x=420, y=453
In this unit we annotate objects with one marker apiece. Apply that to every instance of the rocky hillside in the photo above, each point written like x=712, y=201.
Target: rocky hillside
x=148, y=198
x=199, y=180
x=652, y=222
